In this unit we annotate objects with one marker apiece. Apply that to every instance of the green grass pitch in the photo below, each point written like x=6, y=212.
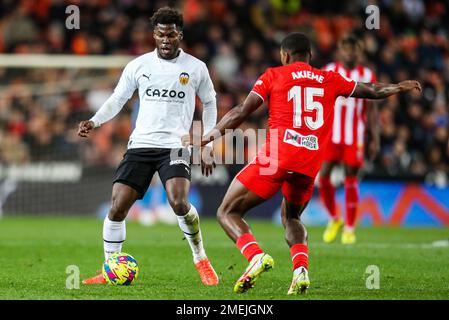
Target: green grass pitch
x=34, y=254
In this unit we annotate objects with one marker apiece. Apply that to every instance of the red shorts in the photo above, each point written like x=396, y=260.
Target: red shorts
x=296, y=187
x=351, y=155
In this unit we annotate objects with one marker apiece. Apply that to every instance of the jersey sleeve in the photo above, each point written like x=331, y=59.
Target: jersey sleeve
x=122, y=92
x=205, y=90
x=343, y=86
x=262, y=87
x=127, y=83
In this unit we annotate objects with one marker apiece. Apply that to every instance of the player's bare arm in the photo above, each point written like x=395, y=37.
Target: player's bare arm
x=231, y=120
x=382, y=90
x=234, y=118
x=236, y=115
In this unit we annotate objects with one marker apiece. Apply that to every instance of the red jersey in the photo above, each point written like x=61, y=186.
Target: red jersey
x=301, y=109
x=350, y=113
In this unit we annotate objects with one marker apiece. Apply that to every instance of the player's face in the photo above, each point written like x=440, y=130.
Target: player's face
x=167, y=37
x=350, y=54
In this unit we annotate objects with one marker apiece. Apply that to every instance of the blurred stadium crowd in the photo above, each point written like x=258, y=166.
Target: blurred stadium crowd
x=238, y=39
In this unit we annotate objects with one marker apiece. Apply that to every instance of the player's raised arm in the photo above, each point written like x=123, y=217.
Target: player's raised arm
x=234, y=118
x=382, y=90
x=112, y=106
x=239, y=113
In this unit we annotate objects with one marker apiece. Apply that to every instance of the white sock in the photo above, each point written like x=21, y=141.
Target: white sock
x=190, y=225
x=114, y=234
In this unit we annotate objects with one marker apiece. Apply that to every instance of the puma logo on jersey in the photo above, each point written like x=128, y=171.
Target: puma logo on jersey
x=147, y=76
x=298, y=140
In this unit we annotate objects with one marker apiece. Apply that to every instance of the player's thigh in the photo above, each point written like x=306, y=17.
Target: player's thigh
x=298, y=189
x=123, y=197
x=333, y=154
x=174, y=172
x=238, y=200
x=174, y=163
x=135, y=174
x=254, y=178
x=250, y=188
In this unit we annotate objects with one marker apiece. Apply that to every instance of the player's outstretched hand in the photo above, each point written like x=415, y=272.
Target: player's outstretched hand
x=409, y=85
x=85, y=127
x=207, y=161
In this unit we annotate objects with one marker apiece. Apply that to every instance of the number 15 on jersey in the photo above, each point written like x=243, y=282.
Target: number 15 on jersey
x=309, y=105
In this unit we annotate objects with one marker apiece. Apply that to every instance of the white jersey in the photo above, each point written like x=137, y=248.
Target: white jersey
x=167, y=92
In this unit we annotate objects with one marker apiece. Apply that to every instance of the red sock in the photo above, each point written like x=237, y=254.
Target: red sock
x=327, y=193
x=352, y=200
x=248, y=246
x=300, y=257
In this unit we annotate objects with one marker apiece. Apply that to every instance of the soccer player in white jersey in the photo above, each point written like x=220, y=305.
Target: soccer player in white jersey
x=348, y=141
x=168, y=80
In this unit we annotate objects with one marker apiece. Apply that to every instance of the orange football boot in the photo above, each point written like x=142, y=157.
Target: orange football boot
x=207, y=272
x=98, y=279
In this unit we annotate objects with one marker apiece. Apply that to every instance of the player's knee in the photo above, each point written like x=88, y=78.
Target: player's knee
x=221, y=215
x=290, y=216
x=226, y=207
x=226, y=210
x=117, y=212
x=179, y=206
x=223, y=212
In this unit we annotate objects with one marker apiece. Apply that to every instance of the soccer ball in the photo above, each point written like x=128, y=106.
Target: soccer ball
x=120, y=269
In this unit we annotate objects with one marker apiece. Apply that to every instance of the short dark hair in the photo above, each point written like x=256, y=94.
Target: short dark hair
x=167, y=15
x=351, y=40
x=297, y=44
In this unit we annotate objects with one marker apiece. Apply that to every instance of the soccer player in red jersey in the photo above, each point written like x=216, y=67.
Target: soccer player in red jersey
x=301, y=109
x=347, y=143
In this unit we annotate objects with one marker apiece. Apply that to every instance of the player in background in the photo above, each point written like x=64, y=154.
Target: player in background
x=301, y=103
x=168, y=80
x=347, y=145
